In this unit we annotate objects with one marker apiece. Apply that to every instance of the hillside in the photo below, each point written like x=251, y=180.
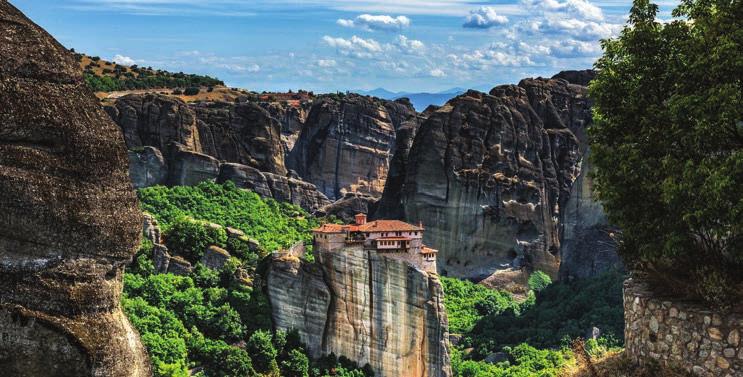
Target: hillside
x=105, y=76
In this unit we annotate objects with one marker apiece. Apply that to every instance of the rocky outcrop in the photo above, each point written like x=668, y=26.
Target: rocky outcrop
x=70, y=219
x=407, y=124
x=292, y=120
x=371, y=309
x=155, y=120
x=582, y=78
x=281, y=188
x=345, y=145
x=147, y=167
x=490, y=174
x=349, y=205
x=244, y=133
x=188, y=168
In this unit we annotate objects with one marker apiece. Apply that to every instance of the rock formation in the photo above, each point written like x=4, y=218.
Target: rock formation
x=243, y=133
x=366, y=307
x=292, y=120
x=281, y=188
x=490, y=174
x=69, y=219
x=345, y=145
x=178, y=144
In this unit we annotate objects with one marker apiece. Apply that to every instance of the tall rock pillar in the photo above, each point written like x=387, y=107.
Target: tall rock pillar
x=68, y=216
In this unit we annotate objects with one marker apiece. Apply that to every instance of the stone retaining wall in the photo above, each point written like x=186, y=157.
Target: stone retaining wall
x=682, y=334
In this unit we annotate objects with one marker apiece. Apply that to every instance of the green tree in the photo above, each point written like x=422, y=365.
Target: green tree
x=668, y=145
x=261, y=349
x=538, y=281
x=190, y=238
x=296, y=364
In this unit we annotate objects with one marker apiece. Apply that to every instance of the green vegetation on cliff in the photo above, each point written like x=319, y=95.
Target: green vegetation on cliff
x=494, y=326
x=217, y=323
x=273, y=224
x=668, y=146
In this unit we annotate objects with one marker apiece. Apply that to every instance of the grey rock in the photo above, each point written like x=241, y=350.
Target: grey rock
x=190, y=168
x=147, y=167
x=215, y=257
x=179, y=266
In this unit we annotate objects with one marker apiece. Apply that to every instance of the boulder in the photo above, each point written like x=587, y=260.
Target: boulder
x=496, y=357
x=369, y=308
x=348, y=206
x=151, y=229
x=160, y=258
x=245, y=177
x=179, y=266
x=215, y=257
x=155, y=120
x=243, y=133
x=70, y=220
x=190, y=168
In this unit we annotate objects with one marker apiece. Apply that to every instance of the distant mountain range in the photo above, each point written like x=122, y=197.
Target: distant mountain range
x=419, y=100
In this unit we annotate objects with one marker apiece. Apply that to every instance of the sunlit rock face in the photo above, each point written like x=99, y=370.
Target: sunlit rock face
x=489, y=174
x=68, y=216
x=346, y=145
x=371, y=309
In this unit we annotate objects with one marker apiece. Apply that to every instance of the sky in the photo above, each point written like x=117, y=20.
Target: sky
x=340, y=45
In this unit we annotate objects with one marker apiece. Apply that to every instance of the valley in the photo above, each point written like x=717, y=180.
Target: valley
x=166, y=224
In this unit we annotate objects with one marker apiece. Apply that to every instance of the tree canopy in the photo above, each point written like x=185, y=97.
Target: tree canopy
x=668, y=145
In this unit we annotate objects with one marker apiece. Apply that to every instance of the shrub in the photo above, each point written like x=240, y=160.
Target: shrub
x=668, y=145
x=190, y=238
x=260, y=346
x=191, y=91
x=466, y=303
x=538, y=281
x=296, y=365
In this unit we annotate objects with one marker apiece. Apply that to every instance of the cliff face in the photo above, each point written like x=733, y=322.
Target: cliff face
x=292, y=121
x=346, y=145
x=70, y=220
x=489, y=174
x=366, y=307
x=243, y=133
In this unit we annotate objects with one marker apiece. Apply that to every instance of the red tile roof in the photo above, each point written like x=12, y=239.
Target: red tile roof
x=388, y=226
x=374, y=226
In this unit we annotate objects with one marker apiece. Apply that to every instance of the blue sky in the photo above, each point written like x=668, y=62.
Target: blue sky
x=329, y=45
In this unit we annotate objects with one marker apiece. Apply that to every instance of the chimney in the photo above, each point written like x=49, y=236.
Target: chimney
x=360, y=219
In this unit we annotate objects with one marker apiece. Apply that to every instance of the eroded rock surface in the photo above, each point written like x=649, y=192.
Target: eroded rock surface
x=371, y=309
x=489, y=175
x=345, y=146
x=69, y=219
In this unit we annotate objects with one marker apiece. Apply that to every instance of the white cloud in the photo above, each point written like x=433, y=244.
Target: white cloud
x=582, y=9
x=123, y=60
x=356, y=46
x=410, y=46
x=437, y=72
x=480, y=59
x=326, y=63
x=574, y=49
x=579, y=29
x=376, y=22
x=484, y=18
